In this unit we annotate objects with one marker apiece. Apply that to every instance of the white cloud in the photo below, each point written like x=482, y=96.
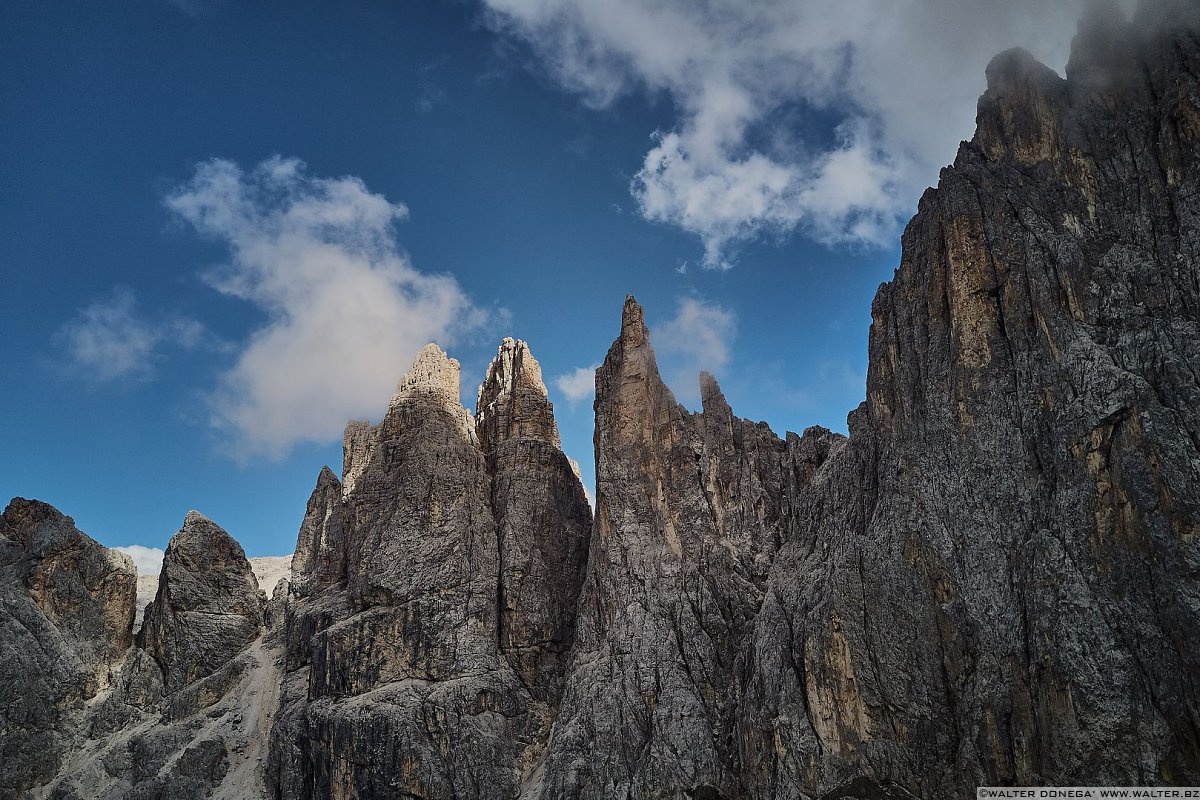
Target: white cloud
x=698, y=337
x=896, y=81
x=148, y=560
x=577, y=385
x=110, y=339
x=345, y=310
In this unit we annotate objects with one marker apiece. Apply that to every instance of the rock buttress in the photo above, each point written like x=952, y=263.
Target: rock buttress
x=543, y=520
x=995, y=581
x=208, y=607
x=67, y=621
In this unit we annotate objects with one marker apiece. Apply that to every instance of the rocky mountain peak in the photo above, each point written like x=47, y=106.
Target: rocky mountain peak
x=432, y=373
x=433, y=381
x=513, y=401
x=992, y=581
x=1104, y=45
x=633, y=323
x=1018, y=114
x=66, y=619
x=631, y=398
x=208, y=606
x=195, y=521
x=81, y=587
x=712, y=399
x=320, y=557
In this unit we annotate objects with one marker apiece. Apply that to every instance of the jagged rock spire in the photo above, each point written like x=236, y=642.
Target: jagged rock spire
x=208, y=607
x=433, y=376
x=432, y=373
x=357, y=444
x=513, y=402
x=320, y=557
x=631, y=398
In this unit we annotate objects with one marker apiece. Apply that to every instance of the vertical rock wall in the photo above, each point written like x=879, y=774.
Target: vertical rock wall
x=995, y=581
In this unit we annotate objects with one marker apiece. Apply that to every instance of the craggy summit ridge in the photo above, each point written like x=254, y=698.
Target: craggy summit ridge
x=434, y=595
x=995, y=579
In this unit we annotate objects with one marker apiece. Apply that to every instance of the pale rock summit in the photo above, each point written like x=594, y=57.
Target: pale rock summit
x=435, y=377
x=512, y=400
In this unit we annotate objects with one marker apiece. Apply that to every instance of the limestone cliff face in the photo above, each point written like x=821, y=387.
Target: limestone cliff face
x=430, y=663
x=543, y=520
x=87, y=711
x=976, y=585
x=971, y=588
x=690, y=511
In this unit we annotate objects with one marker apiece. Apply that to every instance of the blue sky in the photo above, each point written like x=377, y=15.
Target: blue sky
x=226, y=227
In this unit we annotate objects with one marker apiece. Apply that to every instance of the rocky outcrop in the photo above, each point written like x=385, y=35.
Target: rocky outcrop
x=86, y=712
x=268, y=571
x=970, y=589
x=433, y=595
x=690, y=511
x=189, y=714
x=208, y=607
x=68, y=607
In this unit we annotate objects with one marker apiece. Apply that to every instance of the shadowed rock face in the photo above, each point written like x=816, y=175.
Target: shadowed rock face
x=86, y=712
x=208, y=607
x=67, y=618
x=995, y=580
x=971, y=589
x=690, y=511
x=542, y=520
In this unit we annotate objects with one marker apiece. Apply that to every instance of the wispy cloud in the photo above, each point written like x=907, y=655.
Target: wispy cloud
x=697, y=337
x=896, y=82
x=345, y=310
x=578, y=384
x=111, y=339
x=148, y=560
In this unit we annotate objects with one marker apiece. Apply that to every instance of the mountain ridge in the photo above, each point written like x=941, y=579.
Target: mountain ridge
x=993, y=580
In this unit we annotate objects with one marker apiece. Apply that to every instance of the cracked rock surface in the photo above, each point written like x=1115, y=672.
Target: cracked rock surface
x=993, y=580
x=87, y=711
x=433, y=594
